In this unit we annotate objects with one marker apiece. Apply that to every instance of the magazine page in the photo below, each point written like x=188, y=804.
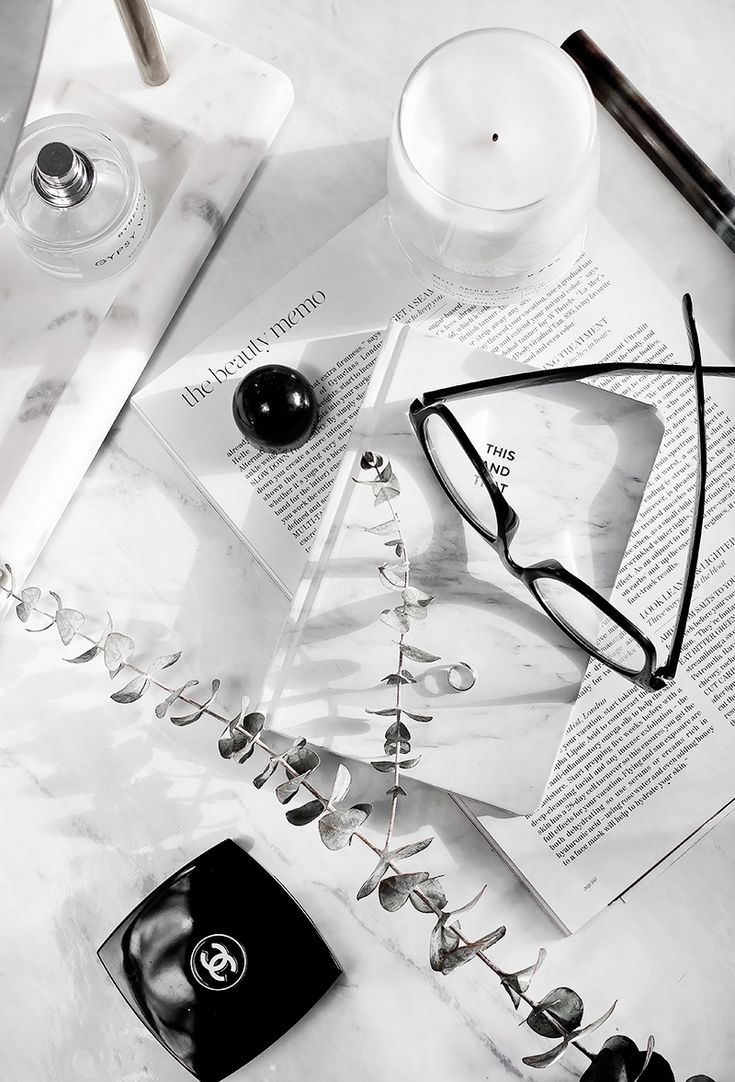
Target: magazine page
x=324, y=319
x=639, y=773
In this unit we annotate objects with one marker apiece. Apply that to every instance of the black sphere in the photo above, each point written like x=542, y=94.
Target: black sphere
x=275, y=408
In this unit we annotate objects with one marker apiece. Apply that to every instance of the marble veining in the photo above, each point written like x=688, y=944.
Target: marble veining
x=100, y=802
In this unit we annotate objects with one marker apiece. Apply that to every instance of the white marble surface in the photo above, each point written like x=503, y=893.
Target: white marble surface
x=72, y=352
x=499, y=740
x=101, y=801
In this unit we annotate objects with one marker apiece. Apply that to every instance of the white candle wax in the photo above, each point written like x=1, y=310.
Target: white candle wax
x=493, y=165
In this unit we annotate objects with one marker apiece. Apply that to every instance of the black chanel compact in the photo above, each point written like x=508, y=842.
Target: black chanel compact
x=219, y=962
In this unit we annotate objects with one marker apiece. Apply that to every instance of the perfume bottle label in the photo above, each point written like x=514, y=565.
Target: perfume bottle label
x=114, y=253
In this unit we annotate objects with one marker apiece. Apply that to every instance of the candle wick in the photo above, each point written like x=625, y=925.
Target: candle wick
x=495, y=137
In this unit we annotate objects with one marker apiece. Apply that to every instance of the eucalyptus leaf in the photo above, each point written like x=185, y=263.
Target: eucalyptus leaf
x=302, y=759
x=305, y=814
x=88, y=655
x=394, y=678
x=396, y=731
x=386, y=473
x=68, y=621
x=409, y=764
x=443, y=941
x=408, y=676
x=187, y=719
x=374, y=878
x=470, y=905
x=412, y=596
x=386, y=493
x=165, y=662
x=414, y=654
x=396, y=790
x=117, y=649
x=29, y=596
x=520, y=981
x=386, y=712
x=564, y=1005
x=451, y=960
x=418, y=717
x=433, y=892
x=415, y=612
x=336, y=828
x=395, y=889
x=392, y=578
x=370, y=460
x=383, y=766
x=132, y=691
x=342, y=782
x=620, y=1054
x=163, y=708
x=382, y=528
x=545, y=1059
x=267, y=771
x=402, y=746
x=287, y=790
x=410, y=850
x=396, y=621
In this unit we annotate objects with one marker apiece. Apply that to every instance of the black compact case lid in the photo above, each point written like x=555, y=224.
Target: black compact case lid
x=219, y=962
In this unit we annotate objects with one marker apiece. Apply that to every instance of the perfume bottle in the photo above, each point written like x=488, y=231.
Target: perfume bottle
x=74, y=198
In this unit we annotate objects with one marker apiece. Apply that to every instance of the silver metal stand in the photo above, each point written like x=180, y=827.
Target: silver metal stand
x=142, y=34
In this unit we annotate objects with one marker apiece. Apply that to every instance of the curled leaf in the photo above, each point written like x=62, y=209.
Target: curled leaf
x=520, y=981
x=187, y=719
x=162, y=708
x=443, y=941
x=269, y=769
x=342, y=782
x=86, y=656
x=336, y=828
x=370, y=460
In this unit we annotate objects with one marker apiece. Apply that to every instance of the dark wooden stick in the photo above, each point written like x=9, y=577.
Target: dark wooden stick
x=657, y=139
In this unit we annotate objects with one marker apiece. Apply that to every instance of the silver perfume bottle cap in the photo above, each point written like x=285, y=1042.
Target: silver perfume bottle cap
x=62, y=176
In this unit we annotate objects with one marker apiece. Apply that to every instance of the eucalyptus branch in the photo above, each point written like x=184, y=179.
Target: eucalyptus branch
x=559, y=1012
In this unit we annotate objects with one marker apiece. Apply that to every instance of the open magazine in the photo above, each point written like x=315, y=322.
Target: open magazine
x=638, y=775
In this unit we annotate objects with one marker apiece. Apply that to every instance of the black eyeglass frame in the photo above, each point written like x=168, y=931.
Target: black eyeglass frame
x=651, y=677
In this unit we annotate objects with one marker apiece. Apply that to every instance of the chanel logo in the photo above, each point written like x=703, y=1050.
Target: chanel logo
x=218, y=962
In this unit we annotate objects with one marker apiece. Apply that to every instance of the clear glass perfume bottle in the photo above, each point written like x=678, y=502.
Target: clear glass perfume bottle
x=74, y=198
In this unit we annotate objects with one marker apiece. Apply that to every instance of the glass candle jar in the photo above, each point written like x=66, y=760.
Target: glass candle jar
x=493, y=166
x=74, y=198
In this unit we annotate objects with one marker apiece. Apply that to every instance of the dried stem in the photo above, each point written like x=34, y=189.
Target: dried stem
x=309, y=787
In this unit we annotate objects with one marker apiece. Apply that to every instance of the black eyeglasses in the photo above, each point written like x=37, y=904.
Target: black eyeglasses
x=581, y=612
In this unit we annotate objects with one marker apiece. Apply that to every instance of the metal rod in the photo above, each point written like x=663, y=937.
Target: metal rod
x=145, y=42
x=657, y=139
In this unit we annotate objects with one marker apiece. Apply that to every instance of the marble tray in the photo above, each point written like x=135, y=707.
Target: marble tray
x=580, y=460
x=71, y=354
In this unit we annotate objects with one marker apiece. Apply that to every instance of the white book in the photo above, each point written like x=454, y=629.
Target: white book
x=637, y=775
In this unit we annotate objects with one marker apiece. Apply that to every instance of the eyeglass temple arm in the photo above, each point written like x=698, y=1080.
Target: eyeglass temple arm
x=667, y=671
x=569, y=374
